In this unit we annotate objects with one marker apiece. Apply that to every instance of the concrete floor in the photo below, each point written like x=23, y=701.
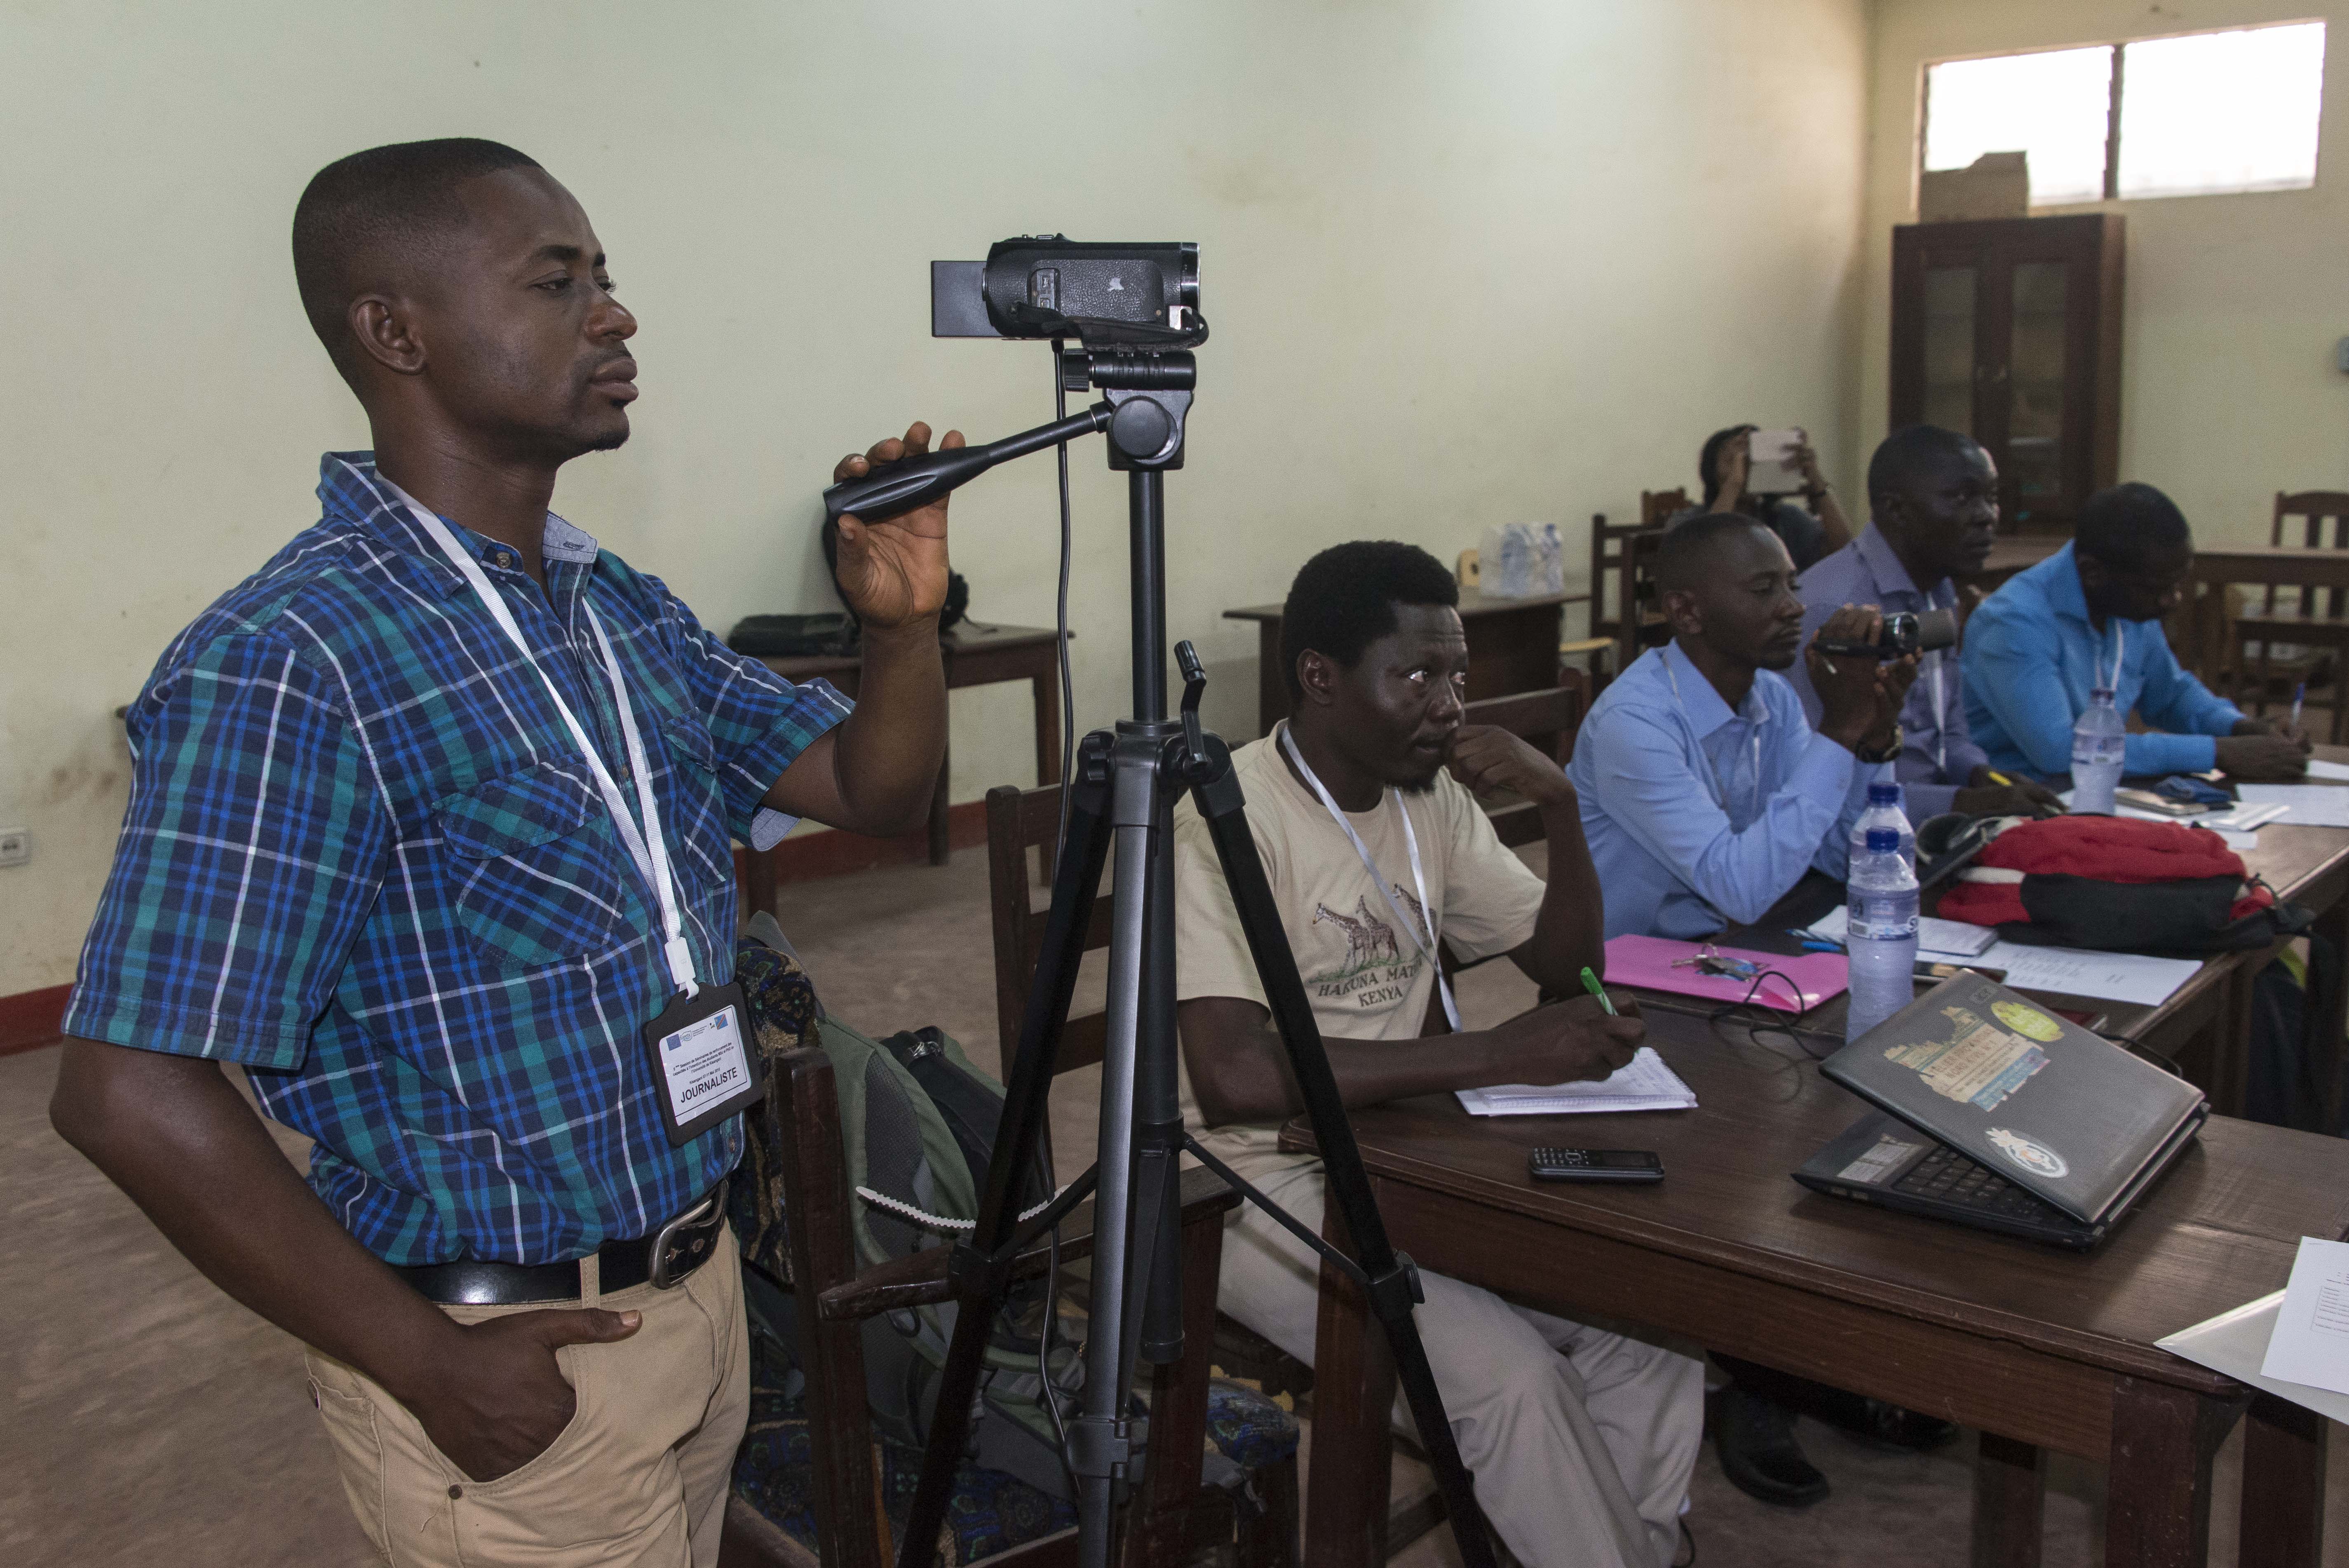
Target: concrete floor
x=146, y=1418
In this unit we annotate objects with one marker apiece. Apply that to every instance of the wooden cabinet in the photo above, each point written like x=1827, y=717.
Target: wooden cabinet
x=2010, y=330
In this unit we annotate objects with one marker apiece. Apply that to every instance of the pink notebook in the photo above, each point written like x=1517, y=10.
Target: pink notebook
x=1645, y=963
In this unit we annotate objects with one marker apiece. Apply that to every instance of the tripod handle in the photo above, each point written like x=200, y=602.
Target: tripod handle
x=894, y=488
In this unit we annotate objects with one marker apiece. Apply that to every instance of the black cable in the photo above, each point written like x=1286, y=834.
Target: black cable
x=2136, y=1047
x=1059, y=839
x=1067, y=683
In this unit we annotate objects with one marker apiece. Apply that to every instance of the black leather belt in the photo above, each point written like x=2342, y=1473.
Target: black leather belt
x=667, y=1258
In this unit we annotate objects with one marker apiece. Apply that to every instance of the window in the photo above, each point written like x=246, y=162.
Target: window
x=2198, y=115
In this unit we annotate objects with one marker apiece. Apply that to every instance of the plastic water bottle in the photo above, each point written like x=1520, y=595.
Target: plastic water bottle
x=1886, y=808
x=2099, y=744
x=1881, y=933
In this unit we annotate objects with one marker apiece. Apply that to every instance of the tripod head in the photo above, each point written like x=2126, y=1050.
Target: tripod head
x=1149, y=395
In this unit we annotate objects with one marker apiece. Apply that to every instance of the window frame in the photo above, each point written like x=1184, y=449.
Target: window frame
x=2119, y=50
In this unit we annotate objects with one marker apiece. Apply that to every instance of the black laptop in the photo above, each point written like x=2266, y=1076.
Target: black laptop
x=1995, y=1113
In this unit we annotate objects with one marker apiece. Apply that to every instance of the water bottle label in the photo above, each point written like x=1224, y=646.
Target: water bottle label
x=1883, y=917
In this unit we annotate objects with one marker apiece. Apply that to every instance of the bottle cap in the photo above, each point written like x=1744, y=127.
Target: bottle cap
x=1883, y=841
x=1884, y=794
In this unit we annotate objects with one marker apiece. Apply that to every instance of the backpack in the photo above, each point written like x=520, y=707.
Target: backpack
x=2116, y=883
x=917, y=1123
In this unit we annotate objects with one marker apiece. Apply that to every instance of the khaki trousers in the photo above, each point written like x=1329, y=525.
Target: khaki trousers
x=1580, y=1441
x=637, y=1480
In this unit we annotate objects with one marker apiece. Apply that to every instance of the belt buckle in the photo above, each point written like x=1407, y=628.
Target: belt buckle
x=710, y=1208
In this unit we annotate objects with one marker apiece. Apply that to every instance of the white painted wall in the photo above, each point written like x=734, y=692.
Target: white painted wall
x=2231, y=305
x=1466, y=261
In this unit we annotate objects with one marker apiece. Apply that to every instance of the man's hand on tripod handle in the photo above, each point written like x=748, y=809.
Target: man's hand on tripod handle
x=1239, y=1070
x=873, y=772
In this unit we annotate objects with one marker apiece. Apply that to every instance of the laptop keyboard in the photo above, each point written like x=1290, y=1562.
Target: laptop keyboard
x=1950, y=1177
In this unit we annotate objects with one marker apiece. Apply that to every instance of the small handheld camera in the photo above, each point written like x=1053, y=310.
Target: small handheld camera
x=1903, y=634
x=1048, y=286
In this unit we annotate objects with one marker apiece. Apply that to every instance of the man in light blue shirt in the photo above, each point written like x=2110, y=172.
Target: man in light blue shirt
x=2090, y=616
x=1705, y=792
x=1932, y=495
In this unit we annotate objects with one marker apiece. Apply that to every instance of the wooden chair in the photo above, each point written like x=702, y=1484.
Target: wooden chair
x=2319, y=637
x=1622, y=589
x=1018, y=822
x=1549, y=719
x=1170, y=1519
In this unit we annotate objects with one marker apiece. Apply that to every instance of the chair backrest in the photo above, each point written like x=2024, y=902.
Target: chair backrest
x=1656, y=506
x=1550, y=719
x=2313, y=509
x=1018, y=821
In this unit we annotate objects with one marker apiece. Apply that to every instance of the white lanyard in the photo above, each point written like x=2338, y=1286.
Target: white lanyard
x=1941, y=722
x=1720, y=790
x=647, y=847
x=1411, y=844
x=2120, y=648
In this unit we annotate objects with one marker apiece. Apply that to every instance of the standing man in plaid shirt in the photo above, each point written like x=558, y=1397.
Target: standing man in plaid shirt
x=429, y=831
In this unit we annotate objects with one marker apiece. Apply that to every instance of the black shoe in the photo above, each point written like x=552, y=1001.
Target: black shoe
x=1887, y=1426
x=1755, y=1440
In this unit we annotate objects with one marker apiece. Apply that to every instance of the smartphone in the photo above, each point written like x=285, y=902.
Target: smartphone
x=1771, y=466
x=1595, y=1165
x=2145, y=800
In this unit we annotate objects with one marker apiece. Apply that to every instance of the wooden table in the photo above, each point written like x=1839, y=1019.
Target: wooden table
x=974, y=656
x=1512, y=647
x=2038, y=1347
x=2204, y=1026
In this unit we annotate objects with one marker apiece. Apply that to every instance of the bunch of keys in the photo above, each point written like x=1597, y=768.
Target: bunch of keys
x=1710, y=960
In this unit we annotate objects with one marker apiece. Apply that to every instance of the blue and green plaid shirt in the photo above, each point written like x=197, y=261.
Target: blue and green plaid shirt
x=364, y=857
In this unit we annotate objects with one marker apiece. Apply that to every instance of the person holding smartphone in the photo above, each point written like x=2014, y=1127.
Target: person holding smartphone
x=1809, y=530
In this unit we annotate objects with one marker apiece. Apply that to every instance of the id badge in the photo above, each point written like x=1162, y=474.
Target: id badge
x=702, y=1061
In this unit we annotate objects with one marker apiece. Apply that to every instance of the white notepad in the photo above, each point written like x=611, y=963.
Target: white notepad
x=1643, y=1084
x=2306, y=805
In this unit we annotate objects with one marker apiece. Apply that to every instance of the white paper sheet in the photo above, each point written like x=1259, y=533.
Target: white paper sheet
x=1643, y=1084
x=2311, y=1341
x=2107, y=977
x=1937, y=937
x=2306, y=805
x=2235, y=1343
x=2318, y=769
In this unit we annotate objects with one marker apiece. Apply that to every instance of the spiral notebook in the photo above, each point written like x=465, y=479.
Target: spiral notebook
x=1643, y=1084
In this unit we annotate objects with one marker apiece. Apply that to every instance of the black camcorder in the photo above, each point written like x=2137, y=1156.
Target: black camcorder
x=1047, y=286
x=1904, y=633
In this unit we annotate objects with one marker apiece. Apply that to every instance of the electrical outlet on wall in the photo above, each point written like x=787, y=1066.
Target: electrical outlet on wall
x=15, y=846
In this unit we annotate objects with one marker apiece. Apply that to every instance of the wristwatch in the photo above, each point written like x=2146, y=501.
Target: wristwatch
x=1888, y=753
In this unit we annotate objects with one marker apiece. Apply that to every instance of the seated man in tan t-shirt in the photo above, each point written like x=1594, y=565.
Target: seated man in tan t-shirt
x=1581, y=1441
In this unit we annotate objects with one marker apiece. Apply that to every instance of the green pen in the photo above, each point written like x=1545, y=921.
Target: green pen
x=1590, y=983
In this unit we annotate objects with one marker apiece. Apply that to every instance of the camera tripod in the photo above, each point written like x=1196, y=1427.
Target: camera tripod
x=1123, y=790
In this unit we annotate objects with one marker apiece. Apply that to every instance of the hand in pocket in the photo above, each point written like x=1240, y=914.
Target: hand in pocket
x=500, y=1400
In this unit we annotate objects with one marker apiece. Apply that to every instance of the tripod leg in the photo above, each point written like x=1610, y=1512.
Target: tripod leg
x=1392, y=1286
x=980, y=1286
x=1154, y=1310
x=1099, y=1438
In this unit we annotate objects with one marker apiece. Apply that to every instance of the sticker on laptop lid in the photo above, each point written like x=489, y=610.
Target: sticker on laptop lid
x=2025, y=1019
x=1879, y=1162
x=2029, y=1154
x=1979, y=1067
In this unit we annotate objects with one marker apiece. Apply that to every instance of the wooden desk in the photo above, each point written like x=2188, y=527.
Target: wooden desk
x=2039, y=1347
x=1512, y=647
x=974, y=656
x=2204, y=1026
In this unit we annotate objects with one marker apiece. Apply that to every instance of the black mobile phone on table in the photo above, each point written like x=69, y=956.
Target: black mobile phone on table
x=1595, y=1165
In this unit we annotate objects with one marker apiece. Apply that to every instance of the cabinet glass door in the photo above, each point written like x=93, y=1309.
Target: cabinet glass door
x=2035, y=375
x=1950, y=347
